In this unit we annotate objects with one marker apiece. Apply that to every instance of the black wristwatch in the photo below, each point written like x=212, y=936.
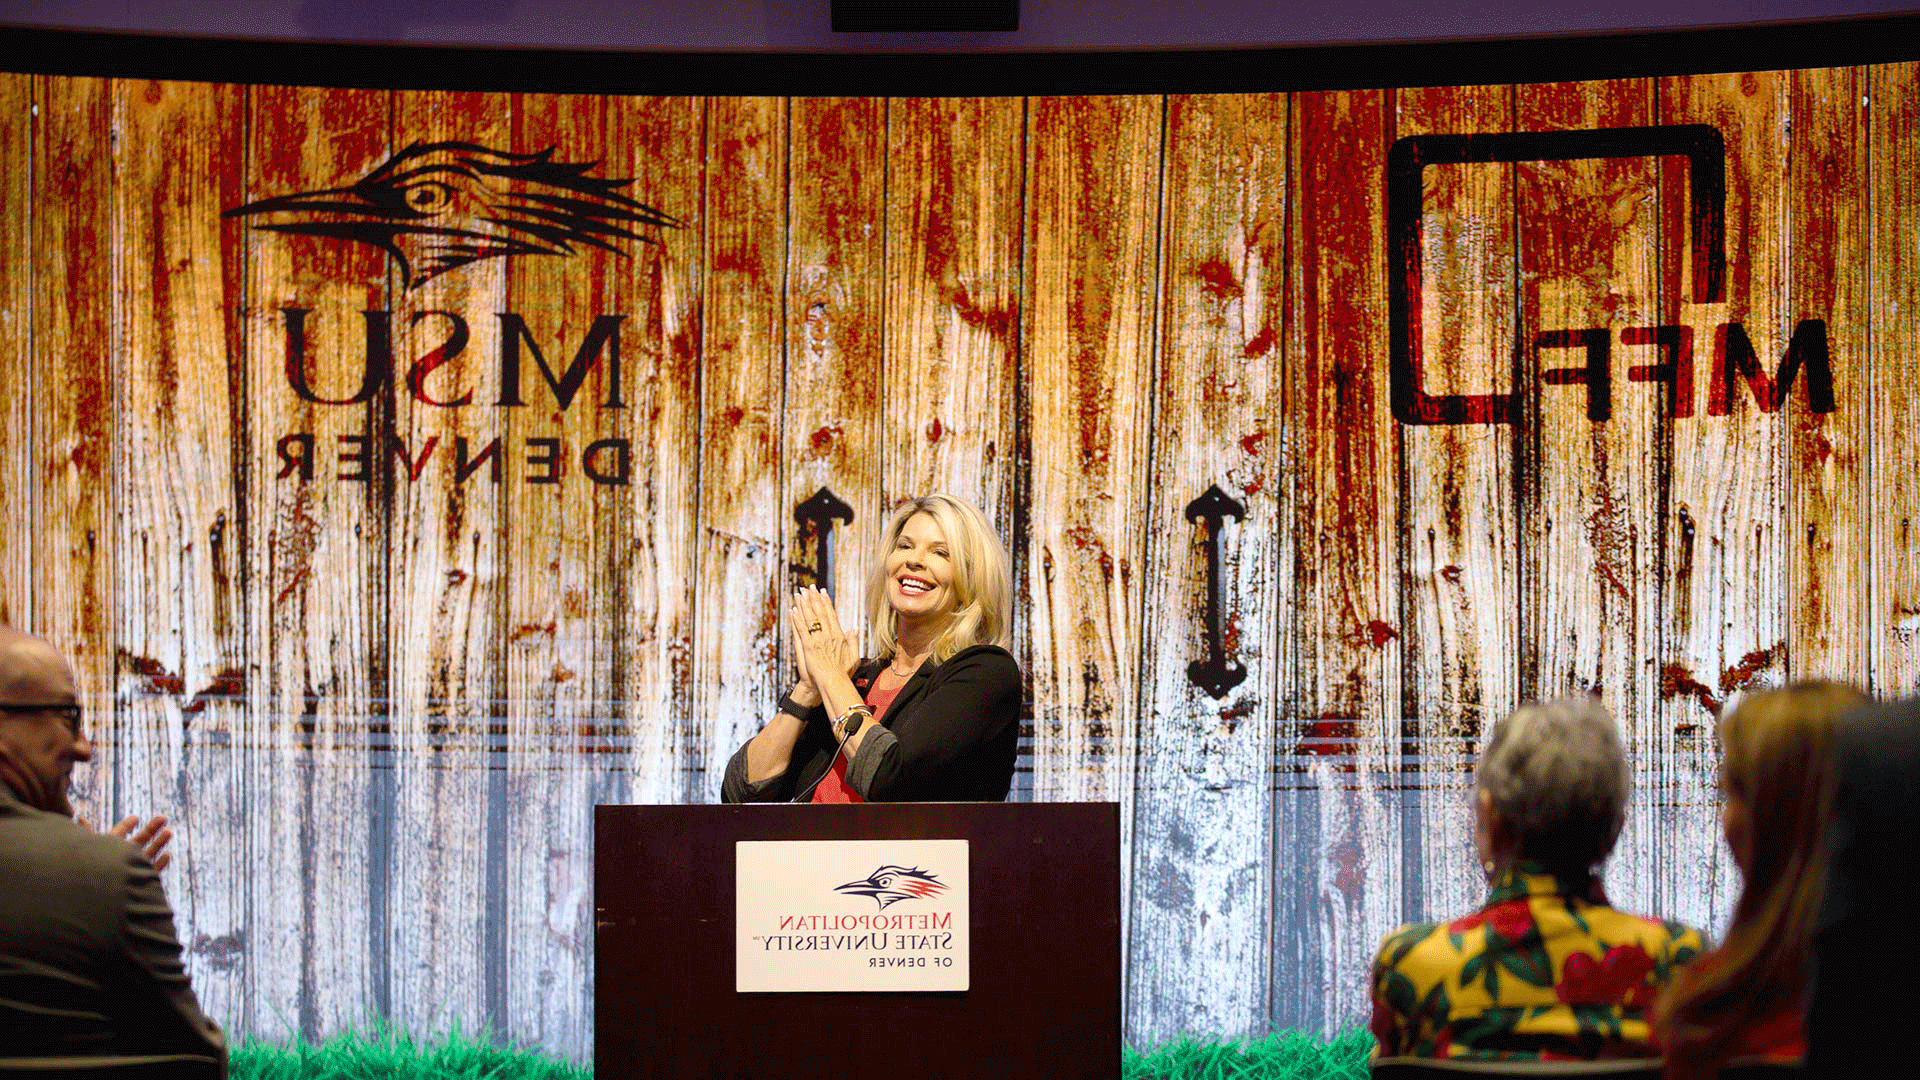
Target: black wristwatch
x=793, y=708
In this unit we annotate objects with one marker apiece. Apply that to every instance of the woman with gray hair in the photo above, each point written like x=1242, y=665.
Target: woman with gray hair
x=1547, y=968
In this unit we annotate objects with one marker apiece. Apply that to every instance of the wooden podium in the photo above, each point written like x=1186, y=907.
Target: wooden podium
x=1045, y=915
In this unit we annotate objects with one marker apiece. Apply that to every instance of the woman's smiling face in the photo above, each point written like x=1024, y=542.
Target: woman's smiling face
x=920, y=571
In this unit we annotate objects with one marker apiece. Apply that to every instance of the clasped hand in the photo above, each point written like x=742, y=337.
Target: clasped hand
x=824, y=651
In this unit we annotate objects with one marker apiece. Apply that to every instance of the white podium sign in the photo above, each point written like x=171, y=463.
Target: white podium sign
x=833, y=915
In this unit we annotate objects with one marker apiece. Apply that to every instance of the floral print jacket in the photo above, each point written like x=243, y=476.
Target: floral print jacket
x=1546, y=970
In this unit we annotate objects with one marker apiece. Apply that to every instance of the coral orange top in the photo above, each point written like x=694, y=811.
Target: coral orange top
x=833, y=787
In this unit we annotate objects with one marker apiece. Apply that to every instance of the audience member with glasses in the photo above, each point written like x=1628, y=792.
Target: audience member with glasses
x=89, y=962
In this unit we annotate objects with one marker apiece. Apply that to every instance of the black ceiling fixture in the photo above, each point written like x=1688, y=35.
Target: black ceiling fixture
x=925, y=16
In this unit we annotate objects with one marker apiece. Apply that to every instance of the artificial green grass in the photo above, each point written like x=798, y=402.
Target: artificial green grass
x=1284, y=1055
x=383, y=1053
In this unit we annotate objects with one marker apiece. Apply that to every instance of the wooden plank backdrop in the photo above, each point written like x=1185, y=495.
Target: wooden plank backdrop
x=648, y=537
x=1460, y=550
x=317, y=583
x=380, y=671
x=177, y=161
x=737, y=615
x=954, y=170
x=1092, y=215
x=1724, y=565
x=835, y=387
x=454, y=582
x=1338, y=787
x=19, y=463
x=1202, y=820
x=1893, y=332
x=1589, y=493
x=73, y=432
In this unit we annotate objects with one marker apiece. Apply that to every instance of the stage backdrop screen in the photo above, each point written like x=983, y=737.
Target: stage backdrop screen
x=407, y=472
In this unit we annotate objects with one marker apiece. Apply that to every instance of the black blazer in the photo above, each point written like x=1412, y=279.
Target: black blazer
x=949, y=736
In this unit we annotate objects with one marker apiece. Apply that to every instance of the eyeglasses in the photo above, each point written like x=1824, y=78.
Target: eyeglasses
x=70, y=713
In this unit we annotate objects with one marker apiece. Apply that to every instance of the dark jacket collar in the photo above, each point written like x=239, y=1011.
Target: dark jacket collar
x=869, y=671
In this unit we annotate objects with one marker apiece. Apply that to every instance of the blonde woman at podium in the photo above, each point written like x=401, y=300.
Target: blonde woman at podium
x=934, y=714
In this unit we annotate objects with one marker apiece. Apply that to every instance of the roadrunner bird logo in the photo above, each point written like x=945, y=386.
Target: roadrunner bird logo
x=891, y=884
x=437, y=206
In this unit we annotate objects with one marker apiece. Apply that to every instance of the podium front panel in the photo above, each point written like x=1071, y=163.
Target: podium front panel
x=1045, y=914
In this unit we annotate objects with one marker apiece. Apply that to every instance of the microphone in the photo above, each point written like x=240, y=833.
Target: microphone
x=848, y=730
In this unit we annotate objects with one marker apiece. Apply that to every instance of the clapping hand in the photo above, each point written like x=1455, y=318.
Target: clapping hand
x=151, y=838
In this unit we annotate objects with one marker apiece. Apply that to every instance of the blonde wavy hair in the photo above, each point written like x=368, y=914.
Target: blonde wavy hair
x=982, y=579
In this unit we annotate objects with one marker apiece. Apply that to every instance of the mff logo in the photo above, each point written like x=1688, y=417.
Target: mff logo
x=1734, y=355
x=892, y=884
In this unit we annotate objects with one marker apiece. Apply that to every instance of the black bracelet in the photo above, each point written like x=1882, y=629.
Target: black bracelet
x=793, y=708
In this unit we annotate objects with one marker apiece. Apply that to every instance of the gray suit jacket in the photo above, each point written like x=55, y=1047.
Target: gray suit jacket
x=88, y=959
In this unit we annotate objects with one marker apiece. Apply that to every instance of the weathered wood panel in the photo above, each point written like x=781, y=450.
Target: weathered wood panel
x=1723, y=556
x=834, y=383
x=651, y=551
x=73, y=422
x=1676, y=792
x=573, y=629
x=1459, y=537
x=435, y=812
x=317, y=564
x=1092, y=209
x=1893, y=253
x=19, y=520
x=737, y=605
x=1827, y=522
x=179, y=636
x=1337, y=754
x=1203, y=825
x=952, y=273
x=554, y=606
x=1589, y=508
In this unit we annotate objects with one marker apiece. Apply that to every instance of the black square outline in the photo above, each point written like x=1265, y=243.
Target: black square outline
x=1701, y=144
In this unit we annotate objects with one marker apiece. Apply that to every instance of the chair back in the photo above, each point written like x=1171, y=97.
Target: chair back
x=1760, y=1070
x=113, y=1067
x=1414, y=1068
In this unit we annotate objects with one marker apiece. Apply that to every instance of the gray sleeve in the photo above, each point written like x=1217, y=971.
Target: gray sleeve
x=158, y=1009
x=866, y=761
x=734, y=787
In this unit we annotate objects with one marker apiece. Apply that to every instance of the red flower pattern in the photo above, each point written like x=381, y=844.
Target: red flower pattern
x=1384, y=1023
x=1599, y=999
x=1619, y=977
x=1512, y=920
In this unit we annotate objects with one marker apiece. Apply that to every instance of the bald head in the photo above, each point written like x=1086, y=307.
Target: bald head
x=32, y=672
x=40, y=731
